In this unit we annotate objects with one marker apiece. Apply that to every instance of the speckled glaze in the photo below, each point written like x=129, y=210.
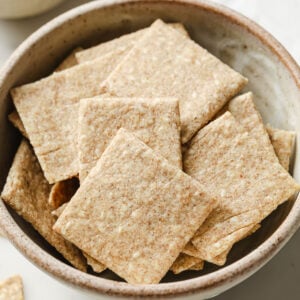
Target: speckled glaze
x=274, y=78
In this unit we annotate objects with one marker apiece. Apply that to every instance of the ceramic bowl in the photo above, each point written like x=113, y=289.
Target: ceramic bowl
x=274, y=77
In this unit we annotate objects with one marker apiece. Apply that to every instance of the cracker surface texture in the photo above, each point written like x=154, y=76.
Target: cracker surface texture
x=242, y=173
x=26, y=190
x=136, y=209
x=49, y=111
x=165, y=63
x=12, y=288
x=154, y=121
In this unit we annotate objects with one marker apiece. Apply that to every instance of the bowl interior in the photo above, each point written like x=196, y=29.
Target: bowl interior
x=276, y=93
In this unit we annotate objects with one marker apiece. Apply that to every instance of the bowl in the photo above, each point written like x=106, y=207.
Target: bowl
x=274, y=77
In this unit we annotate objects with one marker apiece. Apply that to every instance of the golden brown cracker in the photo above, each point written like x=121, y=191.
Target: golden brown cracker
x=283, y=142
x=165, y=63
x=26, y=190
x=49, y=111
x=12, y=288
x=155, y=121
x=186, y=262
x=236, y=167
x=136, y=209
x=69, y=61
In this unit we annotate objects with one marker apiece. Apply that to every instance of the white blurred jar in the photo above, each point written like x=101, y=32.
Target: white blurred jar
x=13, y=9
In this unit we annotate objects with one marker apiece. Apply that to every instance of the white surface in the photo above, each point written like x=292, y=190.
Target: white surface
x=279, y=279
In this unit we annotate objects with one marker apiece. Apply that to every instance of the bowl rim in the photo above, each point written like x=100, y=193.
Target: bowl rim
x=229, y=275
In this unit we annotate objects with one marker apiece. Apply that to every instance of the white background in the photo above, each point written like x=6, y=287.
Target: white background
x=279, y=279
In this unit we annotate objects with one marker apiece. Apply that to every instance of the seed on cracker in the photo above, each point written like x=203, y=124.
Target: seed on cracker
x=12, y=288
x=49, y=111
x=237, y=168
x=122, y=44
x=26, y=190
x=155, y=121
x=165, y=63
x=186, y=262
x=136, y=209
x=62, y=191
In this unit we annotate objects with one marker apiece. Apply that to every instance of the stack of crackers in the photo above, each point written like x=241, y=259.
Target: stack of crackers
x=139, y=157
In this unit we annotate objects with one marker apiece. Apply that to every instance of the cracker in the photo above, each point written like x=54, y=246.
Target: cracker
x=244, y=111
x=49, y=111
x=122, y=44
x=62, y=191
x=58, y=211
x=69, y=61
x=97, y=266
x=155, y=121
x=12, y=288
x=136, y=209
x=165, y=63
x=198, y=266
x=238, y=169
x=185, y=262
x=27, y=191
x=15, y=119
x=283, y=142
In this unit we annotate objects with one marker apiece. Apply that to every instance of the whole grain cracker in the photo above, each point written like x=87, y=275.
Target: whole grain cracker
x=62, y=191
x=49, y=111
x=58, y=211
x=244, y=111
x=26, y=190
x=185, y=262
x=69, y=61
x=236, y=167
x=15, y=119
x=283, y=142
x=12, y=288
x=155, y=121
x=123, y=44
x=97, y=266
x=137, y=210
x=165, y=63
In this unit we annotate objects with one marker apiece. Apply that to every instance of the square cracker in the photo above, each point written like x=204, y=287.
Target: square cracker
x=26, y=190
x=123, y=44
x=68, y=62
x=186, y=262
x=165, y=63
x=12, y=288
x=136, y=209
x=49, y=111
x=283, y=142
x=154, y=121
x=239, y=170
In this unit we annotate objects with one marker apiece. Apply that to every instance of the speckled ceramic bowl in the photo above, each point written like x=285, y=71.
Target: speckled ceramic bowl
x=274, y=78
